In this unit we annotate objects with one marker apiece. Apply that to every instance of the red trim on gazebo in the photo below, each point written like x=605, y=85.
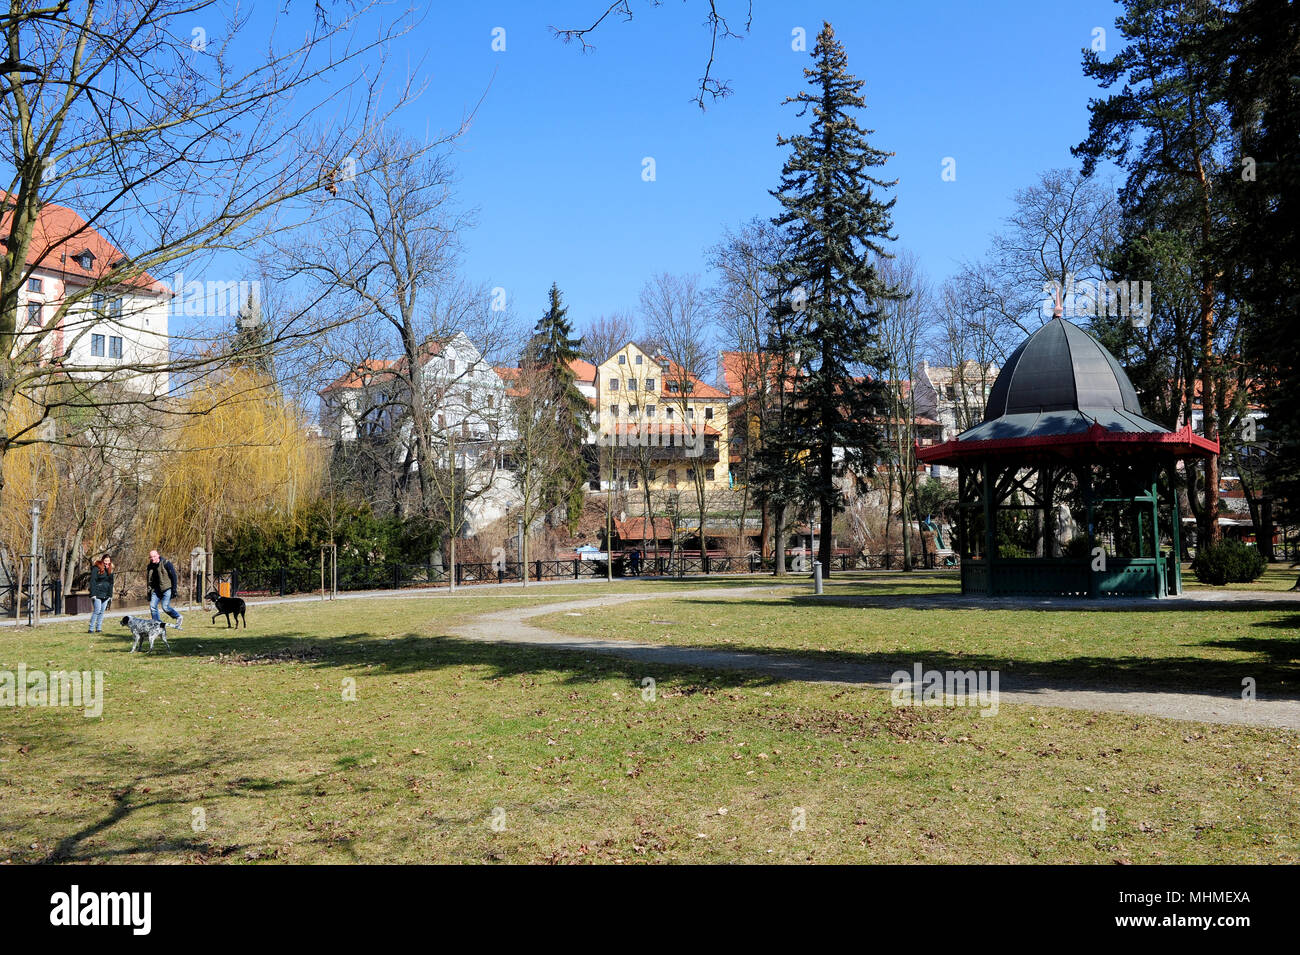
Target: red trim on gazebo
x=1181, y=443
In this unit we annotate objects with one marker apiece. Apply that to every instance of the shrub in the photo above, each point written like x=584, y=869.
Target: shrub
x=1228, y=562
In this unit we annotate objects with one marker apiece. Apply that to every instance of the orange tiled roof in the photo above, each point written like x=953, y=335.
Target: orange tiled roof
x=356, y=378
x=60, y=235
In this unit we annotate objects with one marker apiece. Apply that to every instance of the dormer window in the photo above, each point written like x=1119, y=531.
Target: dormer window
x=86, y=259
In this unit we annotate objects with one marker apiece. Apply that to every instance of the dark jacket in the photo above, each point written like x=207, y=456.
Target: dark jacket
x=156, y=584
x=101, y=584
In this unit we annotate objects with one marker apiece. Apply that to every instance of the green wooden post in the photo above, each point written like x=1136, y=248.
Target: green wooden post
x=1087, y=498
x=1161, y=586
x=990, y=509
x=1178, y=542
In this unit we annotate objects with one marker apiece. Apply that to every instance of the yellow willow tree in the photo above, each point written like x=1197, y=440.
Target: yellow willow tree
x=235, y=449
x=30, y=473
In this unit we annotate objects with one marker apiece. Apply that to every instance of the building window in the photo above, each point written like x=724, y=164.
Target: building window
x=649, y=384
x=622, y=359
x=708, y=475
x=613, y=409
x=672, y=476
x=690, y=474
x=613, y=384
x=33, y=313
x=638, y=359
x=115, y=347
x=451, y=366
x=34, y=285
x=690, y=413
x=86, y=259
x=668, y=412
x=708, y=414
x=97, y=346
x=631, y=385
x=672, y=387
x=650, y=475
x=632, y=410
x=649, y=411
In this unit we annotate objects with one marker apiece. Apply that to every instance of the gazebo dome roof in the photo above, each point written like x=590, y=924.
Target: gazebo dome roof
x=1061, y=367
x=1061, y=389
x=1061, y=381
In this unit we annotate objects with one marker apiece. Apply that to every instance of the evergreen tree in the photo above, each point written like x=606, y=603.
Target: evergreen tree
x=1166, y=126
x=837, y=226
x=549, y=351
x=1259, y=53
x=252, y=343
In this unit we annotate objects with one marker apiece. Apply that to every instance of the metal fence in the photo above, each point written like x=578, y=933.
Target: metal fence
x=255, y=581
x=14, y=604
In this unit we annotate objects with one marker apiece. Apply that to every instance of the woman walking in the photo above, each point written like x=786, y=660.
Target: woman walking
x=101, y=591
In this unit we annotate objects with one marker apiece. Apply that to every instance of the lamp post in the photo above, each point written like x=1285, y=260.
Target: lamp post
x=33, y=595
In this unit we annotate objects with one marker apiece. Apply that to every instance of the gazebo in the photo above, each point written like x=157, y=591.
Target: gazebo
x=1058, y=488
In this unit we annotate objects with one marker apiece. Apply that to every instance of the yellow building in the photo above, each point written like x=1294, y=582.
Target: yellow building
x=656, y=423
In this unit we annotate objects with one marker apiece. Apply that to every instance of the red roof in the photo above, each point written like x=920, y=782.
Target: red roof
x=362, y=375
x=60, y=236
x=675, y=375
x=1181, y=443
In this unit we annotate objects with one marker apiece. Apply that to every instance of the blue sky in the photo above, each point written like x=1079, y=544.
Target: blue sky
x=553, y=160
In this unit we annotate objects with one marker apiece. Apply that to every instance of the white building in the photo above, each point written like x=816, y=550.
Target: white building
x=117, y=333
x=467, y=406
x=955, y=397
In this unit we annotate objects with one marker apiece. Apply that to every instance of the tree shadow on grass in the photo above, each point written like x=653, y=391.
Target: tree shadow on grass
x=1275, y=669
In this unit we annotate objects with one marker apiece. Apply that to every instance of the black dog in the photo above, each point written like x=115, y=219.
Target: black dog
x=228, y=606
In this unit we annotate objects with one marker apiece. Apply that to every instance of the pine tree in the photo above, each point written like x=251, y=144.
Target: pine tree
x=1165, y=124
x=838, y=227
x=550, y=351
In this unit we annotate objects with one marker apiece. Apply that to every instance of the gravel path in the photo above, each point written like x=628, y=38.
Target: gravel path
x=511, y=626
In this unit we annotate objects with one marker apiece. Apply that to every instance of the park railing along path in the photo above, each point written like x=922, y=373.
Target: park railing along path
x=283, y=581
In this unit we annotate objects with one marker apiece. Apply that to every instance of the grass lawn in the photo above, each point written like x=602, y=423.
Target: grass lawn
x=464, y=752
x=873, y=619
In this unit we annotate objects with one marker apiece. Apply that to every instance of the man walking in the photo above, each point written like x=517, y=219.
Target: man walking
x=162, y=587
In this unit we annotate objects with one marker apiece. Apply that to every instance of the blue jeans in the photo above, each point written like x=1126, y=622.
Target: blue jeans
x=98, y=606
x=166, y=602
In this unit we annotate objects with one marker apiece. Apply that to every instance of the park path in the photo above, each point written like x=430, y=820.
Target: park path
x=512, y=627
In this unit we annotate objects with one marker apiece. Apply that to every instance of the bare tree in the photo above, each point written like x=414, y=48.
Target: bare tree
x=131, y=121
x=744, y=297
x=605, y=334
x=385, y=262
x=537, y=443
x=676, y=312
x=719, y=29
x=902, y=326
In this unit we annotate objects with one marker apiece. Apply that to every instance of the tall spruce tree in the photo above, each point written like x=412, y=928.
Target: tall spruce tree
x=1259, y=53
x=837, y=226
x=549, y=351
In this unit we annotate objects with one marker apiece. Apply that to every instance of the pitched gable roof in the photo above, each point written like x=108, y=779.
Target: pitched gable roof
x=60, y=237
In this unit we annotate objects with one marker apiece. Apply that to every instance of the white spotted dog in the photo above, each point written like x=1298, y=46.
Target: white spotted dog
x=142, y=627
